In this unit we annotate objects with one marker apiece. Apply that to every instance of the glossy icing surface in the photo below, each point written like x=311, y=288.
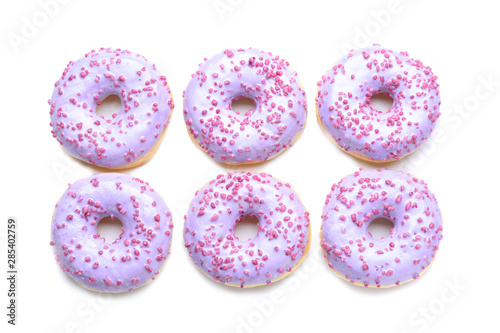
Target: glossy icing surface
x=128, y=135
x=283, y=229
x=344, y=110
x=279, y=116
x=360, y=198
x=126, y=263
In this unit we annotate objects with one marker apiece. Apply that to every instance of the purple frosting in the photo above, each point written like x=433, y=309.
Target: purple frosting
x=360, y=198
x=130, y=134
x=281, y=242
x=279, y=116
x=343, y=103
x=128, y=262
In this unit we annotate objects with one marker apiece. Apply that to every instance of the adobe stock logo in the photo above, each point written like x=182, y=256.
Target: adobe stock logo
x=264, y=309
x=428, y=314
x=224, y=6
x=87, y=311
x=32, y=24
x=454, y=117
x=368, y=34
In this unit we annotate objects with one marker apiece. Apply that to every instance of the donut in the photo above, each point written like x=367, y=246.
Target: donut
x=345, y=113
x=258, y=135
x=406, y=253
x=130, y=261
x=282, y=240
x=133, y=135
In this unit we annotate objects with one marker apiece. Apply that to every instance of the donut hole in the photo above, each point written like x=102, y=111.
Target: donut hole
x=109, y=107
x=380, y=228
x=381, y=102
x=110, y=228
x=246, y=228
x=243, y=105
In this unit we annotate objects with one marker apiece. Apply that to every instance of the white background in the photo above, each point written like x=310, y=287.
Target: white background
x=457, y=39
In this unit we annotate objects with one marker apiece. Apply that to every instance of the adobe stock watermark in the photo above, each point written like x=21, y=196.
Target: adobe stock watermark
x=379, y=20
x=429, y=313
x=33, y=23
x=453, y=118
x=86, y=312
x=265, y=308
x=222, y=7
x=179, y=211
x=63, y=168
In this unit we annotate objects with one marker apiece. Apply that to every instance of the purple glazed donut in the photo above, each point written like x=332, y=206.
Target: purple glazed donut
x=258, y=135
x=344, y=110
x=282, y=240
x=360, y=198
x=132, y=136
x=130, y=261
